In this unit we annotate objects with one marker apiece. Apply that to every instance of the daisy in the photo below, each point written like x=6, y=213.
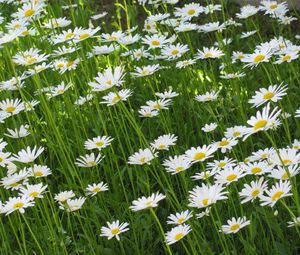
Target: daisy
x=282, y=173
x=179, y=218
x=2, y=144
x=160, y=104
x=114, y=229
x=147, y=202
x=200, y=154
x=273, y=8
x=18, y=133
x=211, y=26
x=247, y=11
x=113, y=98
x=94, y=189
x=39, y=171
x=15, y=181
x=113, y=37
x=83, y=99
x=58, y=90
x=99, y=16
x=140, y=53
x=209, y=127
x=177, y=164
x=295, y=222
x=29, y=106
x=259, y=56
x=226, y=144
x=285, y=157
x=167, y=94
x=163, y=142
x=188, y=11
x=73, y=204
x=185, y=63
x=235, y=132
x=206, y=195
x=208, y=96
x=84, y=34
x=174, y=51
x=262, y=154
x=207, y=53
x=273, y=93
x=63, y=196
x=145, y=70
x=29, y=57
x=148, y=112
x=142, y=157
x=253, y=190
x=28, y=155
x=287, y=57
x=205, y=175
x=12, y=106
x=155, y=40
x=177, y=233
x=229, y=175
x=257, y=168
x=28, y=11
x=33, y=191
x=204, y=213
x=234, y=225
x=108, y=79
x=247, y=34
x=105, y=49
x=17, y=204
x=89, y=160
x=98, y=142
x=279, y=190
x=217, y=165
x=57, y=22
x=263, y=120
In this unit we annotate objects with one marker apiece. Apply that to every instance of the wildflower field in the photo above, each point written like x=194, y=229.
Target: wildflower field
x=149, y=127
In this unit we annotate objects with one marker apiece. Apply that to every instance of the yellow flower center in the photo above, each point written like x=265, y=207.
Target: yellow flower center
x=174, y=52
x=29, y=13
x=157, y=106
x=34, y=194
x=268, y=95
x=115, y=231
x=143, y=159
x=70, y=35
x=208, y=55
x=70, y=63
x=273, y=6
x=38, y=173
x=25, y=32
x=260, y=124
x=84, y=36
x=285, y=176
x=199, y=156
x=259, y=58
x=205, y=201
x=231, y=177
x=148, y=203
x=61, y=65
x=15, y=184
x=286, y=162
x=60, y=91
x=179, y=169
x=18, y=205
x=221, y=164
x=286, y=58
x=117, y=99
x=10, y=109
x=255, y=192
x=31, y=60
x=223, y=143
x=109, y=82
x=100, y=143
x=145, y=72
x=112, y=38
x=155, y=43
x=256, y=170
x=17, y=26
x=235, y=227
x=92, y=163
x=236, y=133
x=277, y=195
x=178, y=236
x=191, y=12
x=95, y=190
x=181, y=220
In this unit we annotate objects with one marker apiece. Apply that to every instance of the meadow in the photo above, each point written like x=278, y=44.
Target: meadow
x=149, y=127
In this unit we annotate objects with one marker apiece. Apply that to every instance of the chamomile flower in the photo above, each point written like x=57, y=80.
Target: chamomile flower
x=33, y=191
x=205, y=175
x=285, y=157
x=177, y=233
x=28, y=155
x=209, y=53
x=163, y=142
x=229, y=175
x=208, y=96
x=63, y=196
x=247, y=11
x=174, y=51
x=253, y=190
x=188, y=11
x=113, y=98
x=15, y=181
x=17, y=204
x=263, y=120
x=259, y=56
x=98, y=142
x=167, y=94
x=281, y=173
x=72, y=205
x=145, y=70
x=29, y=57
x=114, y=229
x=57, y=22
x=278, y=191
x=148, y=112
x=179, y=218
x=185, y=63
x=155, y=40
x=209, y=127
x=177, y=164
x=142, y=157
x=11, y=106
x=273, y=93
x=89, y=160
x=18, y=133
x=58, y=90
x=234, y=225
x=206, y=195
x=226, y=144
x=235, y=132
x=200, y=154
x=257, y=168
x=39, y=171
x=95, y=188
x=147, y=202
x=159, y=104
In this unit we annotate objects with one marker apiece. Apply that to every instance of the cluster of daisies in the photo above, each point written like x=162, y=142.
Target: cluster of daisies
x=267, y=174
